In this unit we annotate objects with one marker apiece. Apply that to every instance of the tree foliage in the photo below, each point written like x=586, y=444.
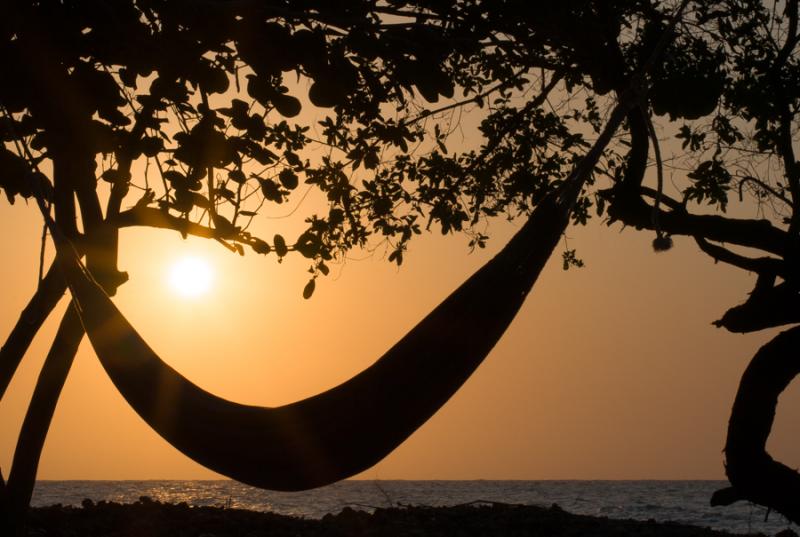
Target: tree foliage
x=193, y=116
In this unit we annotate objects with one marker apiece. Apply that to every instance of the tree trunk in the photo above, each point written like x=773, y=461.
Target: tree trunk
x=754, y=475
x=21, y=480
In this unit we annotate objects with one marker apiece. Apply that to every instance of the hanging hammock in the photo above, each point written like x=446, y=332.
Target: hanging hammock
x=349, y=428
x=344, y=430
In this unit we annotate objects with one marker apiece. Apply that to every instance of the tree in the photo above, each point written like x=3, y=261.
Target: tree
x=201, y=91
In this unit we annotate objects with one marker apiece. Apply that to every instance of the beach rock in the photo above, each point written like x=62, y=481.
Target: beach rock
x=151, y=518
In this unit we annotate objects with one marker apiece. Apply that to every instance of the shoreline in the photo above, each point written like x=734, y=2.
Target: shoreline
x=148, y=517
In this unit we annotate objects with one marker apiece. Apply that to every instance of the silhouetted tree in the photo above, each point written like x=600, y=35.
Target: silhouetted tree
x=200, y=91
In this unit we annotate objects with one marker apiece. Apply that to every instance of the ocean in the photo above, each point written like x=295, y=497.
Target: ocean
x=678, y=501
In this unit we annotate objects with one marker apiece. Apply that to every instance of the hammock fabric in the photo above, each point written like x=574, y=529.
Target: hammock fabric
x=347, y=429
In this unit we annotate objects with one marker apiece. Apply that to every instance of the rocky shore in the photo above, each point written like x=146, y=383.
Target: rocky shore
x=149, y=518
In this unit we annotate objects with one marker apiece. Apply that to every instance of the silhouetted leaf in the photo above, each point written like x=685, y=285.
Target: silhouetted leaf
x=288, y=179
x=223, y=226
x=308, y=290
x=326, y=93
x=260, y=247
x=286, y=105
x=308, y=245
x=280, y=246
x=237, y=176
x=152, y=146
x=271, y=190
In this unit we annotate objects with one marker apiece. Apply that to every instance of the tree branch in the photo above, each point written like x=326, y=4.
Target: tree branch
x=786, y=149
x=151, y=217
x=792, y=37
x=672, y=203
x=754, y=475
x=761, y=265
x=784, y=143
x=764, y=186
x=767, y=307
x=632, y=210
x=40, y=413
x=47, y=295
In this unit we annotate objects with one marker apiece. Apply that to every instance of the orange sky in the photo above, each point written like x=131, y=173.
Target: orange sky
x=611, y=371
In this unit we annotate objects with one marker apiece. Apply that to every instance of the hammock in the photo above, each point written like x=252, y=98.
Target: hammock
x=349, y=428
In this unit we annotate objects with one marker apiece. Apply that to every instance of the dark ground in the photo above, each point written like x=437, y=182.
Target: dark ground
x=148, y=518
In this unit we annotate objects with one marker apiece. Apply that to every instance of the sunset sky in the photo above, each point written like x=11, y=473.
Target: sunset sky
x=612, y=371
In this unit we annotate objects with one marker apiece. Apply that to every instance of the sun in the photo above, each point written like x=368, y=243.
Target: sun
x=191, y=277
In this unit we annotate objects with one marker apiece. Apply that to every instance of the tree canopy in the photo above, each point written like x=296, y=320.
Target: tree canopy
x=209, y=98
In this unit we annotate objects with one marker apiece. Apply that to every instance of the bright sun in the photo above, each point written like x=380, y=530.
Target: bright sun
x=190, y=277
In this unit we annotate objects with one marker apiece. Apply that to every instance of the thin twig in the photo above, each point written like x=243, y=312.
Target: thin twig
x=475, y=99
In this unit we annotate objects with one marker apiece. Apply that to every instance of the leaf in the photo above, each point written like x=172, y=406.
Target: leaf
x=151, y=146
x=292, y=158
x=271, y=190
x=286, y=105
x=601, y=205
x=236, y=176
x=288, y=179
x=115, y=176
x=397, y=257
x=308, y=290
x=238, y=109
x=224, y=227
x=280, y=246
x=325, y=93
x=570, y=260
x=176, y=179
x=260, y=247
x=307, y=244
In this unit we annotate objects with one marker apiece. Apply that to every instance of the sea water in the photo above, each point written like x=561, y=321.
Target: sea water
x=678, y=501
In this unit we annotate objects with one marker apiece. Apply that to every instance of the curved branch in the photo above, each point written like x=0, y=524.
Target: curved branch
x=764, y=186
x=47, y=295
x=40, y=413
x=754, y=475
x=761, y=265
x=672, y=203
x=151, y=217
x=156, y=218
x=633, y=211
x=767, y=307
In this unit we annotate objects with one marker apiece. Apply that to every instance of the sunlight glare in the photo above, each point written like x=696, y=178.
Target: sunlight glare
x=190, y=277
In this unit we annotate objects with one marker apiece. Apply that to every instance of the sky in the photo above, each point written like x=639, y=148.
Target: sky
x=612, y=371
